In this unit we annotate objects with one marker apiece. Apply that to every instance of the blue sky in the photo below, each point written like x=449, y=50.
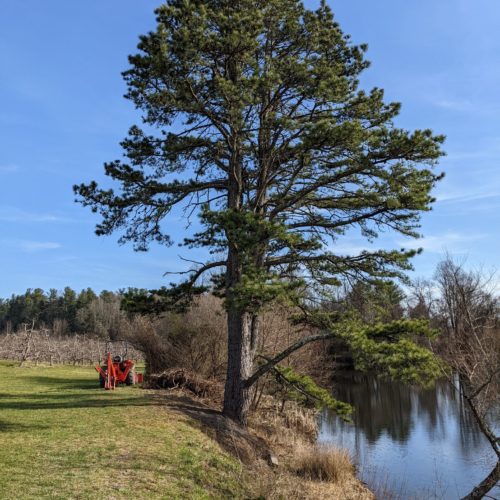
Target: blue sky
x=62, y=115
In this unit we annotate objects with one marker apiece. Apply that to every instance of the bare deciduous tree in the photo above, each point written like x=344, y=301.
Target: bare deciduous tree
x=470, y=317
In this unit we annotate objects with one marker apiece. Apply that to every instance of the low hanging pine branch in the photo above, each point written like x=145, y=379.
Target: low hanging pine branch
x=390, y=350
x=304, y=390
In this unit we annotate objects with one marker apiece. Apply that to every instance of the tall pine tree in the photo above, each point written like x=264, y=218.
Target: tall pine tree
x=253, y=117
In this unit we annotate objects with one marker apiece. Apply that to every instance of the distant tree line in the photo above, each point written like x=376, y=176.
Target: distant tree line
x=64, y=312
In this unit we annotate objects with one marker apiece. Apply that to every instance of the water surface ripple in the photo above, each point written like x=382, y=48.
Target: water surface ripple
x=413, y=443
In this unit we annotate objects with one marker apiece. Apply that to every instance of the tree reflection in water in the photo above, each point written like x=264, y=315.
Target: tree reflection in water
x=410, y=431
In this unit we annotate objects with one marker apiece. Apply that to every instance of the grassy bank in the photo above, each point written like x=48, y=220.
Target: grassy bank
x=63, y=437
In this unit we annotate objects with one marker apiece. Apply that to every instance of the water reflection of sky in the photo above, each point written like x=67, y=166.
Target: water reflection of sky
x=418, y=443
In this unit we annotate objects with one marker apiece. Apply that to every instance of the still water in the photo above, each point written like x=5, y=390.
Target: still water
x=410, y=443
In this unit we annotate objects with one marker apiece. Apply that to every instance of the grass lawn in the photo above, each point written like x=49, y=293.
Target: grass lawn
x=63, y=437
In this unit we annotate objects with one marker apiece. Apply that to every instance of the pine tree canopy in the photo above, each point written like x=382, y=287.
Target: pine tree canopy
x=253, y=118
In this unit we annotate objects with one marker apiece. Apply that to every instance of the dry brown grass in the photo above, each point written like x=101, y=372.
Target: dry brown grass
x=323, y=463
x=284, y=429
x=289, y=434
x=283, y=485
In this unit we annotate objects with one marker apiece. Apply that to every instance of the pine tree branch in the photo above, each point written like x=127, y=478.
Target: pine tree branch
x=262, y=370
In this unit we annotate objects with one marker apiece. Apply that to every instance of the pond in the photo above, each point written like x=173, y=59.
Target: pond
x=410, y=443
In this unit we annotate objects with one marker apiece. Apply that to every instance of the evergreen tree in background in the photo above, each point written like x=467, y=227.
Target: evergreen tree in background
x=253, y=119
x=379, y=301
x=64, y=313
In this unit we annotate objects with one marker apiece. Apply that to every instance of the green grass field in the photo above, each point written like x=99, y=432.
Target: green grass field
x=63, y=437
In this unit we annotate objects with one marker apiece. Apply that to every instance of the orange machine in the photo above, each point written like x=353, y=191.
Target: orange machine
x=117, y=370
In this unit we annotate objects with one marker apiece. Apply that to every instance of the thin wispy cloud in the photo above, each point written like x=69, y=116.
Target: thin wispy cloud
x=460, y=196
x=459, y=243
x=455, y=104
x=30, y=246
x=36, y=246
x=484, y=152
x=9, y=214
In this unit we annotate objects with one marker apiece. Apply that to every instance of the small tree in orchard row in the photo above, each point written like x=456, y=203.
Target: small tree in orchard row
x=253, y=119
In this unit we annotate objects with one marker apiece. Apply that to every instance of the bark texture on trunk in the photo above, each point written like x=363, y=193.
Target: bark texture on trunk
x=238, y=397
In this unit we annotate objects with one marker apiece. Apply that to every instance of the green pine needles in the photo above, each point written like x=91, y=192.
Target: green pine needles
x=253, y=119
x=390, y=350
x=305, y=391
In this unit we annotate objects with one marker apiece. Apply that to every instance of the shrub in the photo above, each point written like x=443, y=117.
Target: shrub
x=323, y=463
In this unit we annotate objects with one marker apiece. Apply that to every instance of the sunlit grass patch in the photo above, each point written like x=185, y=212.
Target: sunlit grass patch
x=61, y=436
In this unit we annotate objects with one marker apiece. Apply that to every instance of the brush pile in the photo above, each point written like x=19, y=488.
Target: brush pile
x=180, y=378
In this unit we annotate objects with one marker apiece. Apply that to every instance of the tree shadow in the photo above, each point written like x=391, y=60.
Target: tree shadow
x=46, y=396
x=64, y=382
x=231, y=436
x=48, y=401
x=17, y=427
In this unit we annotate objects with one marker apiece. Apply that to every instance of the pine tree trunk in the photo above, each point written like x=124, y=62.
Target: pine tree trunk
x=243, y=329
x=241, y=338
x=237, y=397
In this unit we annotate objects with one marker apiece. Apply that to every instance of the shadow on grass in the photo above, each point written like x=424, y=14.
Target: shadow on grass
x=52, y=392
x=234, y=438
x=47, y=401
x=64, y=382
x=17, y=427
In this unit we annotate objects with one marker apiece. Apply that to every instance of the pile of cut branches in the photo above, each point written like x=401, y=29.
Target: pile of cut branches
x=179, y=378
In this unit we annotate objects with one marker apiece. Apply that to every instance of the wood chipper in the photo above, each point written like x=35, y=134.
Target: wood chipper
x=117, y=370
